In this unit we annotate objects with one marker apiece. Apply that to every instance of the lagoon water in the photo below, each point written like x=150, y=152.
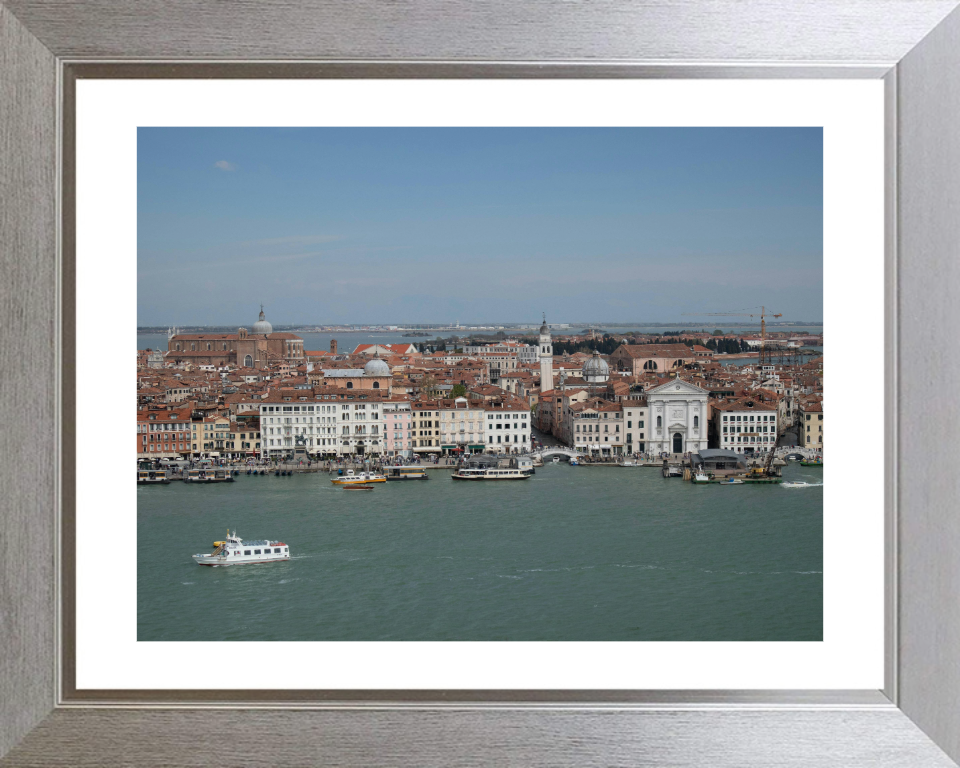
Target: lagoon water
x=574, y=553
x=348, y=341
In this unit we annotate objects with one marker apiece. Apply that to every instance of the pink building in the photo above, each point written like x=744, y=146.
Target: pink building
x=398, y=434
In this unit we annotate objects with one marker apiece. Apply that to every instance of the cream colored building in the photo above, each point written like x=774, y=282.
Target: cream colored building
x=461, y=425
x=810, y=425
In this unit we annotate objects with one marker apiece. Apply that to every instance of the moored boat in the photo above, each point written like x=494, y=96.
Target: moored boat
x=490, y=473
x=236, y=551
x=405, y=473
x=362, y=478
x=732, y=481
x=701, y=476
x=208, y=475
x=152, y=477
x=357, y=487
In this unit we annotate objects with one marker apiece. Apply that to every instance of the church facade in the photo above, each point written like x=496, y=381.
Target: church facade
x=256, y=349
x=677, y=415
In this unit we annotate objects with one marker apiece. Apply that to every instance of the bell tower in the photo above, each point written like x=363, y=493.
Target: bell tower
x=546, y=357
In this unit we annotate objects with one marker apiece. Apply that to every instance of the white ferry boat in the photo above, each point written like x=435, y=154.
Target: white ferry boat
x=702, y=476
x=235, y=551
x=490, y=473
x=358, y=479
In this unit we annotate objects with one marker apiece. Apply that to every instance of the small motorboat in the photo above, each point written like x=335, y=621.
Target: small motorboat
x=574, y=462
x=556, y=459
x=732, y=481
x=701, y=476
x=796, y=484
x=357, y=487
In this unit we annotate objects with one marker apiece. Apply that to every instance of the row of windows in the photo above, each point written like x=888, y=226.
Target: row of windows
x=745, y=418
x=516, y=439
x=319, y=408
x=276, y=551
x=589, y=428
x=161, y=427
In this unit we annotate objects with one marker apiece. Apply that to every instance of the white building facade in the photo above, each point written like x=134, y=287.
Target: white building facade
x=507, y=428
x=677, y=420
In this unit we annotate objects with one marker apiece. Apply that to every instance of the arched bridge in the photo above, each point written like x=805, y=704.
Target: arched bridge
x=557, y=450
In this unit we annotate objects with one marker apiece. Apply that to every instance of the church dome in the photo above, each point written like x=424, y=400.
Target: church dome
x=262, y=325
x=376, y=367
x=544, y=330
x=596, y=368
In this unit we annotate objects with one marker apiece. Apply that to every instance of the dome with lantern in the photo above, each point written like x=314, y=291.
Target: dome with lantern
x=595, y=370
x=262, y=325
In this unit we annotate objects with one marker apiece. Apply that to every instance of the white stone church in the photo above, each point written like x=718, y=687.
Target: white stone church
x=678, y=417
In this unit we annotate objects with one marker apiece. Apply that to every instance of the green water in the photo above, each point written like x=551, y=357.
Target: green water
x=574, y=553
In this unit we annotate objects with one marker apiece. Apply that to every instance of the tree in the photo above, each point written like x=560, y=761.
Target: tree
x=718, y=332
x=459, y=390
x=428, y=385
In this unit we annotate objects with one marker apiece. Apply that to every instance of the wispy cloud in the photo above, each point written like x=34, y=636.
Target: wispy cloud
x=225, y=165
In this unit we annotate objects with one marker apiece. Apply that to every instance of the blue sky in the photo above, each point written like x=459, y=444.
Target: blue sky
x=392, y=225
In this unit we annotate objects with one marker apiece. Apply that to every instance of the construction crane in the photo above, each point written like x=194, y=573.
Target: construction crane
x=745, y=313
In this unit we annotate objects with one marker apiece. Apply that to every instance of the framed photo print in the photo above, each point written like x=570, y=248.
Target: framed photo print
x=481, y=384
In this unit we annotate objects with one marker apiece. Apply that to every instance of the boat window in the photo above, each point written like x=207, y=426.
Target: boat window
x=286, y=549
x=277, y=550
x=256, y=552
x=246, y=551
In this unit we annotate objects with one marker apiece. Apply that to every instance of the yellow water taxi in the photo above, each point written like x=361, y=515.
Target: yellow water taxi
x=362, y=478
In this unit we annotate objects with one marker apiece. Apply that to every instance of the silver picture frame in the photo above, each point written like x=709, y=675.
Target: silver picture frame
x=912, y=45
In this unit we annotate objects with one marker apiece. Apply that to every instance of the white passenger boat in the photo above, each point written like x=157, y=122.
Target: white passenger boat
x=701, y=476
x=490, y=473
x=360, y=478
x=235, y=551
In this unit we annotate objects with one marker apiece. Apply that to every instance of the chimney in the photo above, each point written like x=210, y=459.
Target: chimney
x=333, y=346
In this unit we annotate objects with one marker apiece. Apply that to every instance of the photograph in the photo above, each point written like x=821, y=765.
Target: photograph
x=479, y=384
